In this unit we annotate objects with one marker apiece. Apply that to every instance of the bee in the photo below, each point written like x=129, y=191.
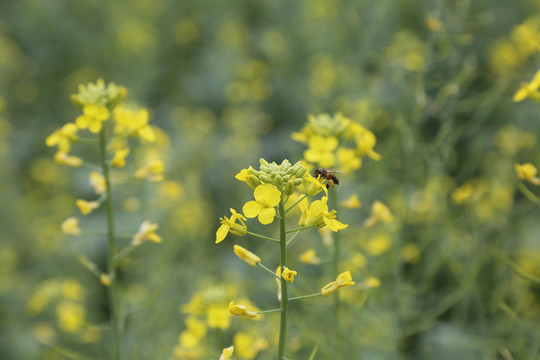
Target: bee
x=328, y=174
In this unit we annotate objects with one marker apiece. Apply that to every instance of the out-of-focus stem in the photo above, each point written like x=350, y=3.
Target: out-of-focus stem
x=336, y=257
x=111, y=250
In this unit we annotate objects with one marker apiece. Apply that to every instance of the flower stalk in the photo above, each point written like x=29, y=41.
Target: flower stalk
x=111, y=247
x=284, y=294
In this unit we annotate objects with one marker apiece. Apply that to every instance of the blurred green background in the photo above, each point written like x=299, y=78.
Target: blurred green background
x=228, y=82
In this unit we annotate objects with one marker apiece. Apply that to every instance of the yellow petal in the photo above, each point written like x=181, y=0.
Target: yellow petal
x=221, y=233
x=266, y=216
x=251, y=209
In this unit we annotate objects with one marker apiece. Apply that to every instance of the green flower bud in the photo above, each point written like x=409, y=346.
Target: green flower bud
x=263, y=162
x=254, y=172
x=297, y=182
x=286, y=178
x=278, y=180
x=254, y=181
x=265, y=178
x=265, y=168
x=289, y=188
x=291, y=170
x=301, y=172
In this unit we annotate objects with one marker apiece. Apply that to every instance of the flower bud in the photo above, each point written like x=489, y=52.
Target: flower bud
x=265, y=168
x=297, y=182
x=300, y=173
x=278, y=180
x=289, y=188
x=263, y=162
x=265, y=178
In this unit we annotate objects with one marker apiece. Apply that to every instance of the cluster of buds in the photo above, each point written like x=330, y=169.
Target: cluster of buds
x=285, y=177
x=99, y=93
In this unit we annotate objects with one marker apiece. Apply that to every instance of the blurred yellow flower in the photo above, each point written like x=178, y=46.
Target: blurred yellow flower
x=153, y=170
x=99, y=93
x=146, y=232
x=218, y=317
x=248, y=344
x=527, y=172
x=196, y=330
x=71, y=316
x=379, y=213
x=98, y=183
x=378, y=244
x=105, y=279
x=119, y=159
x=266, y=197
x=63, y=137
x=410, y=253
x=63, y=158
x=86, y=207
x=227, y=353
x=320, y=150
x=230, y=225
x=246, y=255
x=352, y=202
x=133, y=123
x=92, y=118
x=348, y=159
x=529, y=90
x=288, y=274
x=309, y=257
x=241, y=310
x=343, y=279
x=70, y=226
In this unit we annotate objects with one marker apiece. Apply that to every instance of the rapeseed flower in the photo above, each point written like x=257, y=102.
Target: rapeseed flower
x=527, y=172
x=343, y=279
x=267, y=196
x=70, y=226
x=86, y=207
x=227, y=353
x=133, y=123
x=153, y=170
x=119, y=159
x=230, y=225
x=63, y=137
x=309, y=257
x=321, y=150
x=92, y=118
x=146, y=232
x=241, y=310
x=288, y=274
x=379, y=213
x=246, y=255
x=529, y=90
x=317, y=214
x=98, y=183
x=63, y=158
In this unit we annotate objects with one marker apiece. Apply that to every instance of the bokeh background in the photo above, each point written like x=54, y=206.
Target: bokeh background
x=228, y=82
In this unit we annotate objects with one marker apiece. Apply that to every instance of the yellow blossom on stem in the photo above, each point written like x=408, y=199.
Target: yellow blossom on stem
x=241, y=310
x=379, y=213
x=248, y=344
x=133, y=123
x=86, y=207
x=266, y=197
x=230, y=225
x=97, y=181
x=218, y=317
x=70, y=226
x=246, y=255
x=146, y=232
x=92, y=118
x=318, y=215
x=227, y=353
x=71, y=316
x=348, y=159
x=529, y=90
x=309, y=257
x=365, y=142
x=288, y=274
x=320, y=150
x=119, y=159
x=314, y=186
x=246, y=176
x=352, y=202
x=527, y=172
x=343, y=279
x=63, y=137
x=63, y=158
x=152, y=170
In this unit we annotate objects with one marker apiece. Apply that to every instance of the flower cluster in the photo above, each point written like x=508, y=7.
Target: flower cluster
x=336, y=142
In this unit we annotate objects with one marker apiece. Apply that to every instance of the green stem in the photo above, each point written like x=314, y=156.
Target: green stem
x=305, y=296
x=284, y=295
x=335, y=271
x=300, y=228
x=268, y=311
x=267, y=269
x=296, y=203
x=111, y=265
x=125, y=252
x=263, y=237
x=292, y=237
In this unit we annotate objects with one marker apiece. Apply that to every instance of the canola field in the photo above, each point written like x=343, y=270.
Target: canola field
x=237, y=180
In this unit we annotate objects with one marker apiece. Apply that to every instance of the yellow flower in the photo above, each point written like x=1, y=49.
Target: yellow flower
x=321, y=149
x=266, y=197
x=71, y=316
x=227, y=353
x=348, y=159
x=105, y=279
x=309, y=257
x=343, y=279
x=63, y=158
x=241, y=310
x=146, y=232
x=97, y=181
x=119, y=159
x=230, y=225
x=133, y=123
x=529, y=90
x=196, y=330
x=152, y=170
x=288, y=274
x=378, y=245
x=314, y=186
x=246, y=255
x=99, y=93
x=247, y=344
x=63, y=137
x=92, y=118
x=317, y=214
x=365, y=142
x=379, y=213
x=352, y=202
x=527, y=172
x=250, y=179
x=218, y=317
x=70, y=226
x=86, y=207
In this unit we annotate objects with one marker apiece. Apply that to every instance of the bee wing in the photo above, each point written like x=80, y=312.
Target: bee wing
x=334, y=171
